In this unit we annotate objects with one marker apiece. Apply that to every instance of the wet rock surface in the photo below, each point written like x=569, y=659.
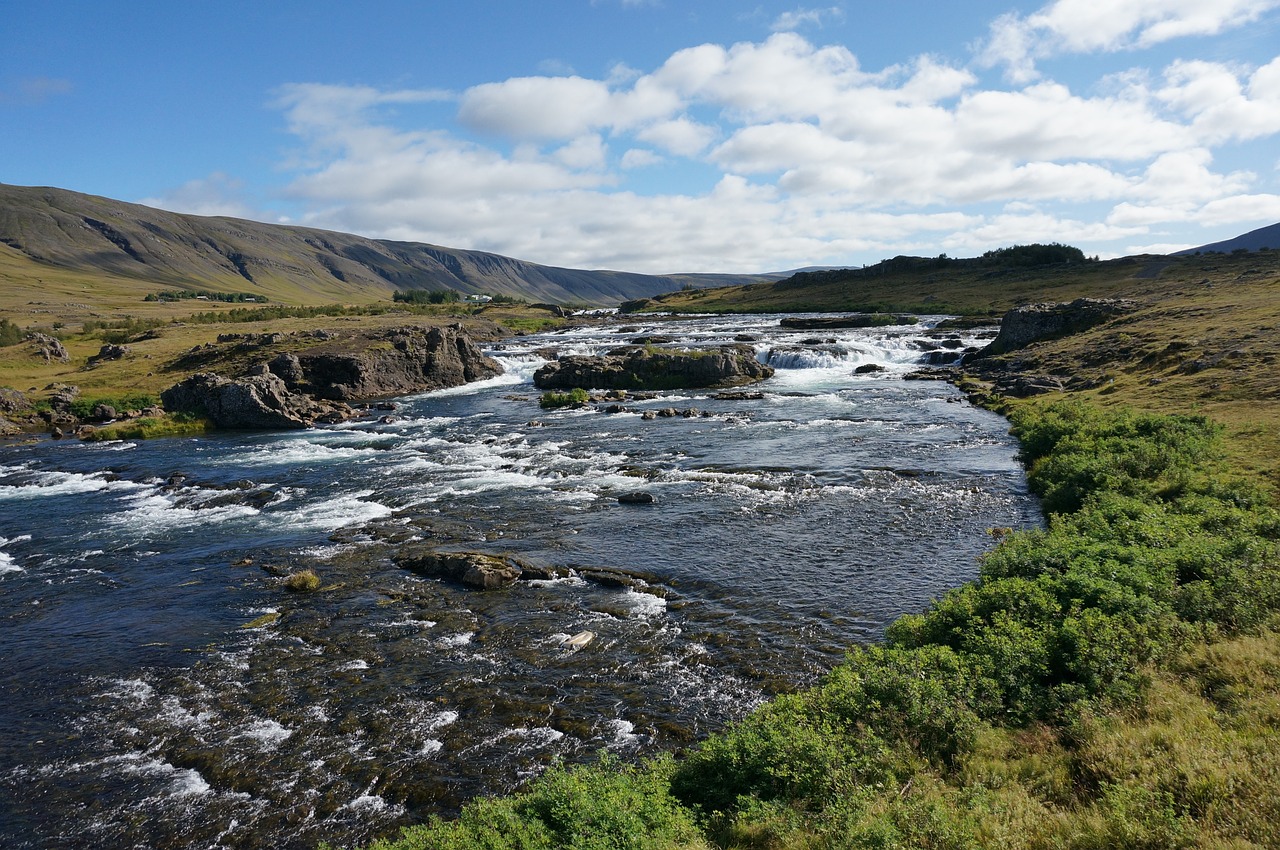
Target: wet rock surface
x=646, y=368
x=400, y=361
x=260, y=401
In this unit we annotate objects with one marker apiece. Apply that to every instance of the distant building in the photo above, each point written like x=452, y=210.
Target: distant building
x=478, y=299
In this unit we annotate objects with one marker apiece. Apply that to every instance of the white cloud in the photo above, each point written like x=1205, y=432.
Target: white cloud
x=1222, y=107
x=813, y=159
x=1087, y=26
x=640, y=158
x=217, y=194
x=679, y=136
x=800, y=17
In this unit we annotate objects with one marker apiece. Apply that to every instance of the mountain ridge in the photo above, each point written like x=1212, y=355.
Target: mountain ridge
x=52, y=227
x=1254, y=240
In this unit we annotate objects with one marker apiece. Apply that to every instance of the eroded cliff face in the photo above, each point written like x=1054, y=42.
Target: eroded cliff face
x=398, y=362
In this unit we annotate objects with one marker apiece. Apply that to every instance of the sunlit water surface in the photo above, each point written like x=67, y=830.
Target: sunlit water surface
x=145, y=701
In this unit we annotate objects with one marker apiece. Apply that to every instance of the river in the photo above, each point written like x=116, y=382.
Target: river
x=161, y=688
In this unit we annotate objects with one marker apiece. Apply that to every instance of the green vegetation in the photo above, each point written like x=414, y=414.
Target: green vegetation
x=554, y=400
x=148, y=427
x=83, y=406
x=426, y=296
x=1027, y=256
x=303, y=581
x=10, y=334
x=119, y=331
x=1110, y=680
x=204, y=295
x=986, y=285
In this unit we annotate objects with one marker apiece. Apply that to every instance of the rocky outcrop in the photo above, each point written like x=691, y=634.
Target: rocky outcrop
x=110, y=352
x=636, y=367
x=1025, y=325
x=857, y=320
x=401, y=361
x=472, y=569
x=49, y=348
x=258, y=401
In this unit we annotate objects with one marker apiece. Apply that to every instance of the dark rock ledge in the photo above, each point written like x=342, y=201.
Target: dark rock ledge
x=646, y=368
x=302, y=388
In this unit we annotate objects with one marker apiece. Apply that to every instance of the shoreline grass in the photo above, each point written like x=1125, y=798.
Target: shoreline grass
x=1110, y=681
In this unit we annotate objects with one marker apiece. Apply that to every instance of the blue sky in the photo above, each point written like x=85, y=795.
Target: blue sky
x=657, y=136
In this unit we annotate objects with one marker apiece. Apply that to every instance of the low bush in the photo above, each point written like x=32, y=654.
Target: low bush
x=303, y=581
x=555, y=400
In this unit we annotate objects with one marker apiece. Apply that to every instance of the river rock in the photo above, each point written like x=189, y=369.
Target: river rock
x=472, y=569
x=61, y=396
x=638, y=497
x=404, y=360
x=635, y=367
x=857, y=320
x=257, y=401
x=1022, y=326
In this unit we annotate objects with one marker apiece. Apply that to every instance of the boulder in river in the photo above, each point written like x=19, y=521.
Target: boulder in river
x=404, y=360
x=639, y=367
x=472, y=569
x=258, y=401
x=856, y=320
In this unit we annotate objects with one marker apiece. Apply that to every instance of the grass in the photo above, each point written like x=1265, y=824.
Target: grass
x=150, y=427
x=553, y=400
x=303, y=581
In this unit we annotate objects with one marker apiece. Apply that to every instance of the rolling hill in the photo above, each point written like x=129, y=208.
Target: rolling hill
x=54, y=232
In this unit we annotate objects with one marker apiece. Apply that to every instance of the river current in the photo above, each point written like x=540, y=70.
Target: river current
x=162, y=689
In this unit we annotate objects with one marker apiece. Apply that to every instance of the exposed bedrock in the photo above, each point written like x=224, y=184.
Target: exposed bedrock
x=1022, y=326
x=645, y=368
x=403, y=360
x=257, y=401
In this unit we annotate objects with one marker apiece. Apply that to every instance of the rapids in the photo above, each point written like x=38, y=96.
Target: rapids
x=162, y=689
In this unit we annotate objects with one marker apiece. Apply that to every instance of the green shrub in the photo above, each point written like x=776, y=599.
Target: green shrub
x=554, y=400
x=10, y=334
x=606, y=806
x=303, y=581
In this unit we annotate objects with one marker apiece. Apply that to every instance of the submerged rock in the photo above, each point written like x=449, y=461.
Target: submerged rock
x=646, y=368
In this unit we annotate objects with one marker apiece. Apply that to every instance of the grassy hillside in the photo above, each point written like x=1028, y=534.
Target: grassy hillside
x=47, y=234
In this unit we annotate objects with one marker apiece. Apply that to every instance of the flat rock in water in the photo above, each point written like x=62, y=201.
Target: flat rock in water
x=639, y=497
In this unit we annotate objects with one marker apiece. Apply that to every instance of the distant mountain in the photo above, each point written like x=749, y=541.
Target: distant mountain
x=1254, y=240
x=42, y=227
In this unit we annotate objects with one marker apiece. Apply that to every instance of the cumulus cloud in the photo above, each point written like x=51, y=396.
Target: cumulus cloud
x=1086, y=26
x=216, y=194
x=780, y=153
x=800, y=17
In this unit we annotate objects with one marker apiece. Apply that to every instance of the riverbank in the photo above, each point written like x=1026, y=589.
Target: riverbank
x=1110, y=681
